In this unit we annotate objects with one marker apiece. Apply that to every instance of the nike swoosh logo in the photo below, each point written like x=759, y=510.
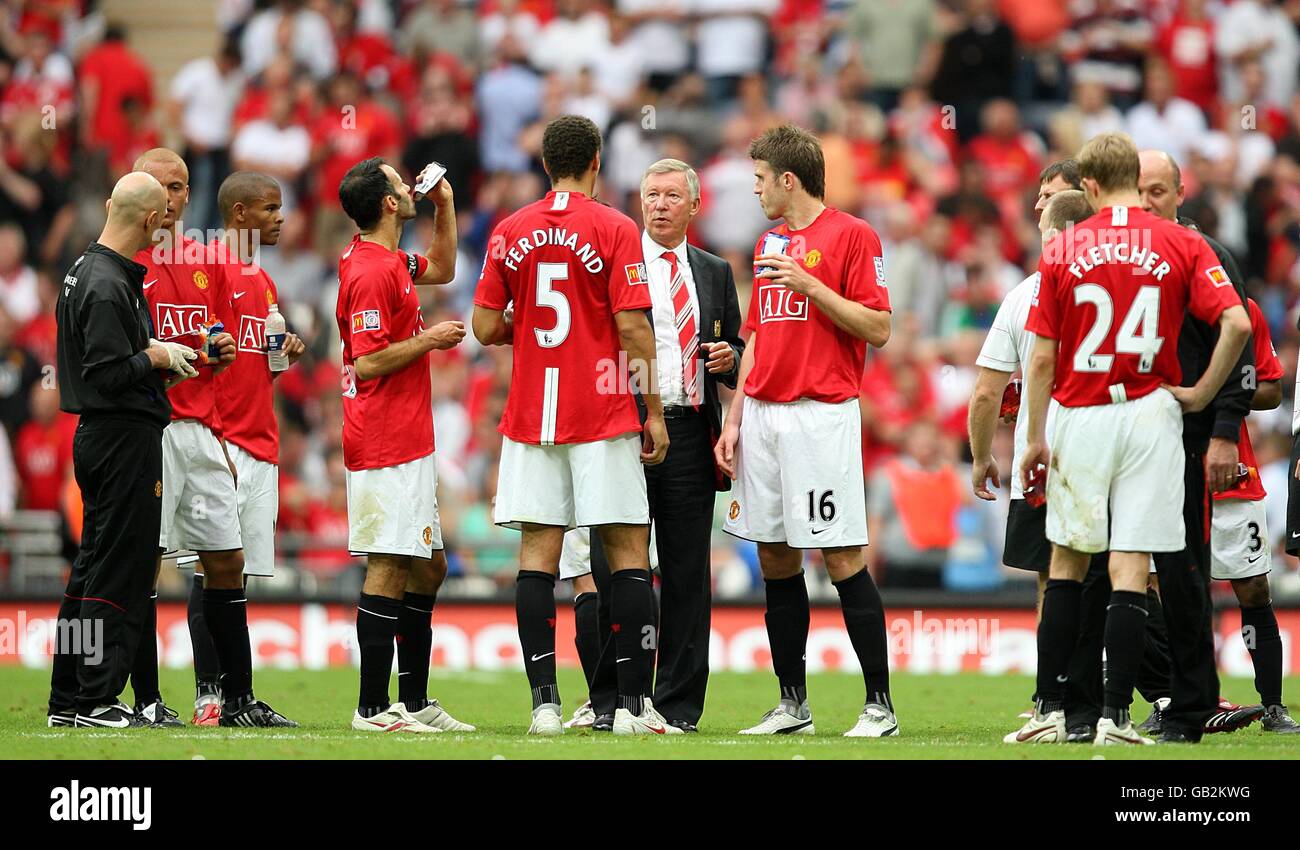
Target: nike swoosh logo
x=818, y=530
x=240, y=294
x=621, y=660
x=1254, y=559
x=150, y=283
x=1022, y=737
x=1295, y=534
x=657, y=729
x=1063, y=679
x=543, y=655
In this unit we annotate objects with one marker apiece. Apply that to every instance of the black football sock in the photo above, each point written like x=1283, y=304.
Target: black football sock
x=414, y=645
x=1058, y=631
x=226, y=612
x=587, y=636
x=535, y=615
x=787, y=619
x=864, y=618
x=1126, y=624
x=376, y=629
x=632, y=611
x=1260, y=632
x=207, y=668
x=144, y=672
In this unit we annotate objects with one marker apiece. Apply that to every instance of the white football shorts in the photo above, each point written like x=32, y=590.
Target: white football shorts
x=393, y=510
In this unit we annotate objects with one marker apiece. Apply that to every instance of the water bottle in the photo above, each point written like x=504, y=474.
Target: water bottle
x=276, y=358
x=210, y=341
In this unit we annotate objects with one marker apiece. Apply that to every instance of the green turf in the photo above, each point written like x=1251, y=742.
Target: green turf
x=961, y=716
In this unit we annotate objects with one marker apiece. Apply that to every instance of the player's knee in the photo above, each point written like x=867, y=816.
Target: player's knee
x=1251, y=592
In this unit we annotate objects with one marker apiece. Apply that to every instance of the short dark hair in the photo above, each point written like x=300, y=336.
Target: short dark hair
x=242, y=187
x=793, y=149
x=1066, y=209
x=570, y=144
x=1066, y=169
x=362, y=192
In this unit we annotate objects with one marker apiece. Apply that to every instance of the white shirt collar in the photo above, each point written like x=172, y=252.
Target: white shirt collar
x=654, y=251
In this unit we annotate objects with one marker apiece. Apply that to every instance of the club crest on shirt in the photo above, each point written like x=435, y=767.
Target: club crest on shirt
x=635, y=273
x=270, y=299
x=1218, y=276
x=366, y=320
x=812, y=258
x=734, y=513
x=428, y=535
x=201, y=280
x=778, y=304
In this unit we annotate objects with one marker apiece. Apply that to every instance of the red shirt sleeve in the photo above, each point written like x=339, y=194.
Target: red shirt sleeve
x=1044, y=308
x=866, y=272
x=1267, y=365
x=416, y=264
x=370, y=314
x=629, y=284
x=492, y=292
x=1210, y=291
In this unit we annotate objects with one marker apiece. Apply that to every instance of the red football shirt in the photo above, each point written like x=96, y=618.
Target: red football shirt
x=372, y=130
x=1267, y=368
x=569, y=264
x=185, y=290
x=387, y=421
x=1113, y=290
x=43, y=455
x=798, y=351
x=246, y=386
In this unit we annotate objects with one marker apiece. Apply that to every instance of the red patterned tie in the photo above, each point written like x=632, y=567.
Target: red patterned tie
x=687, y=333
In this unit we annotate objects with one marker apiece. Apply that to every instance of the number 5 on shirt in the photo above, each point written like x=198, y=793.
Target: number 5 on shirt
x=548, y=273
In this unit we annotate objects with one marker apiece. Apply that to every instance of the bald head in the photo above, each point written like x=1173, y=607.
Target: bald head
x=1160, y=184
x=135, y=197
x=135, y=211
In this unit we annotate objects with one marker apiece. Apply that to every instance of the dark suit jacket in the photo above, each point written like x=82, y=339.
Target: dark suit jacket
x=715, y=289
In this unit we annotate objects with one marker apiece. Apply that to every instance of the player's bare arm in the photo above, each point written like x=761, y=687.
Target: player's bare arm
x=982, y=423
x=442, y=251
x=864, y=323
x=400, y=354
x=637, y=338
x=1234, y=333
x=1039, y=379
x=491, y=327
x=1268, y=395
x=725, y=450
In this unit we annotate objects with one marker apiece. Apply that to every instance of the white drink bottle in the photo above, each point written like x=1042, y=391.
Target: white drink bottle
x=276, y=358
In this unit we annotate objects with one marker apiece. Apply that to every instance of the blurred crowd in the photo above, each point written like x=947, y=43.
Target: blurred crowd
x=936, y=117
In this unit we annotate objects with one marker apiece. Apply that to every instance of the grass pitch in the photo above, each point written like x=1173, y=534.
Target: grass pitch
x=941, y=717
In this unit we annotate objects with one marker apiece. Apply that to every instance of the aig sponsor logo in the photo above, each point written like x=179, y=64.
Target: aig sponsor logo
x=252, y=335
x=778, y=304
x=180, y=319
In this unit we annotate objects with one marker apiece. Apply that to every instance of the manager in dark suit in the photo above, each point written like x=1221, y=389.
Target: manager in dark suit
x=696, y=318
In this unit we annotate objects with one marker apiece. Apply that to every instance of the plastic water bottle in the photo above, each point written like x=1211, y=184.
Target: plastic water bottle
x=276, y=358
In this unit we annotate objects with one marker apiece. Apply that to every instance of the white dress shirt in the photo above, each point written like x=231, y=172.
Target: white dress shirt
x=668, y=346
